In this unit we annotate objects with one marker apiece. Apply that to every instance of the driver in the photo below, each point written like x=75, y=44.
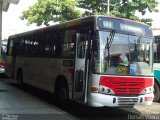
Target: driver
x=124, y=60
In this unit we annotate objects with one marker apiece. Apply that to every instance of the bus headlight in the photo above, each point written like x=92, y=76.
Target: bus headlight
x=105, y=90
x=147, y=90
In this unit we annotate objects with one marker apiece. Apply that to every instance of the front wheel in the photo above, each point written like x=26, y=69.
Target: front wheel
x=156, y=92
x=62, y=95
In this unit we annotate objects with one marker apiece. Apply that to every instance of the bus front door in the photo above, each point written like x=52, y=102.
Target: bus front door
x=79, y=88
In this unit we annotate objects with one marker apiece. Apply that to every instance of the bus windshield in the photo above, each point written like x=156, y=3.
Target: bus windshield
x=122, y=54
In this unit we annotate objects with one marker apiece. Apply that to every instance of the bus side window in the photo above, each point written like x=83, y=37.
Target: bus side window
x=56, y=48
x=20, y=48
x=10, y=48
x=68, y=44
x=40, y=37
x=47, y=44
x=35, y=47
x=28, y=45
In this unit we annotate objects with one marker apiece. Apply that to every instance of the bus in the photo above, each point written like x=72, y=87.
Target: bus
x=2, y=57
x=96, y=60
x=156, y=68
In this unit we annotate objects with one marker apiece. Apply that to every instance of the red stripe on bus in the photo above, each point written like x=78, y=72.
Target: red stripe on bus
x=126, y=85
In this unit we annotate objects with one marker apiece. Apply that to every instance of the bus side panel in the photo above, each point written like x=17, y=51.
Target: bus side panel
x=23, y=63
x=39, y=72
x=66, y=70
x=45, y=71
x=9, y=66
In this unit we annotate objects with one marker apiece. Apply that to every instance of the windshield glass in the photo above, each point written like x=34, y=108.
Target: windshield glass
x=116, y=53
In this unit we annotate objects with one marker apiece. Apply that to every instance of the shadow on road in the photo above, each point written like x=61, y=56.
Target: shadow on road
x=80, y=111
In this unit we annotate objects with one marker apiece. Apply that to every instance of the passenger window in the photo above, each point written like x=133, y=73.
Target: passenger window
x=68, y=45
x=21, y=46
x=10, y=49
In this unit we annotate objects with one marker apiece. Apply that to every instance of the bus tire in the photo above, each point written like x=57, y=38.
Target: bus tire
x=62, y=94
x=156, y=92
x=20, y=79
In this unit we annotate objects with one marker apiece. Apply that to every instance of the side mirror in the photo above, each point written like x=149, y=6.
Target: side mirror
x=154, y=47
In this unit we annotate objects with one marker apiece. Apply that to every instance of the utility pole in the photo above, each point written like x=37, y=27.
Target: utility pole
x=108, y=7
x=106, y=3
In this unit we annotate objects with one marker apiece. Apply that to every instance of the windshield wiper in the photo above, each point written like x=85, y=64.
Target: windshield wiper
x=137, y=46
x=109, y=43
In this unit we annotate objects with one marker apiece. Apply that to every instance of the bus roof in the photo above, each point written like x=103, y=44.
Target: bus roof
x=74, y=22
x=125, y=19
x=60, y=25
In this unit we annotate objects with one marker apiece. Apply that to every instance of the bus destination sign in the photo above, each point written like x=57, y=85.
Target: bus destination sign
x=131, y=28
x=108, y=24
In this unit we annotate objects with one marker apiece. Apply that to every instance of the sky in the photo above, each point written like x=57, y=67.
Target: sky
x=11, y=23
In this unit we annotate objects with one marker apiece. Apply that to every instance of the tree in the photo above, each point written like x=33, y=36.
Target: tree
x=44, y=11
x=121, y=8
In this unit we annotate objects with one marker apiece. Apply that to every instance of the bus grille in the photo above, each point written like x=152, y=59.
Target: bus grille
x=122, y=101
x=126, y=85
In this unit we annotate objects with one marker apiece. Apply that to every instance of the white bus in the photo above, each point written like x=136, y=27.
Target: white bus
x=96, y=60
x=2, y=57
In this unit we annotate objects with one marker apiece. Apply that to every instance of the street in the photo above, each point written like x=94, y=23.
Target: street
x=32, y=103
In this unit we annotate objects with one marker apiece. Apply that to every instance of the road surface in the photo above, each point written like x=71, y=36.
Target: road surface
x=33, y=104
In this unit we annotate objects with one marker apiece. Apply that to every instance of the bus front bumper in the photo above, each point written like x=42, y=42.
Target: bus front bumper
x=101, y=100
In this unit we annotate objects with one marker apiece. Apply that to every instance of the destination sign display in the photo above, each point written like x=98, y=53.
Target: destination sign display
x=108, y=24
x=123, y=25
x=131, y=28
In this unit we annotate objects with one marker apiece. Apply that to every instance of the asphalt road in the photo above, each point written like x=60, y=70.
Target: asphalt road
x=33, y=104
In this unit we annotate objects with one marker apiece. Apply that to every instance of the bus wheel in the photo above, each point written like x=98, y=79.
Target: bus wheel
x=20, y=79
x=156, y=92
x=62, y=95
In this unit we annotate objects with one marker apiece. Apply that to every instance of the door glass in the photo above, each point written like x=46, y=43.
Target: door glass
x=81, y=47
x=79, y=81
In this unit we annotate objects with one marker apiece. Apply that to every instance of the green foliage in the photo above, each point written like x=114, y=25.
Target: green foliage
x=45, y=11
x=121, y=8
